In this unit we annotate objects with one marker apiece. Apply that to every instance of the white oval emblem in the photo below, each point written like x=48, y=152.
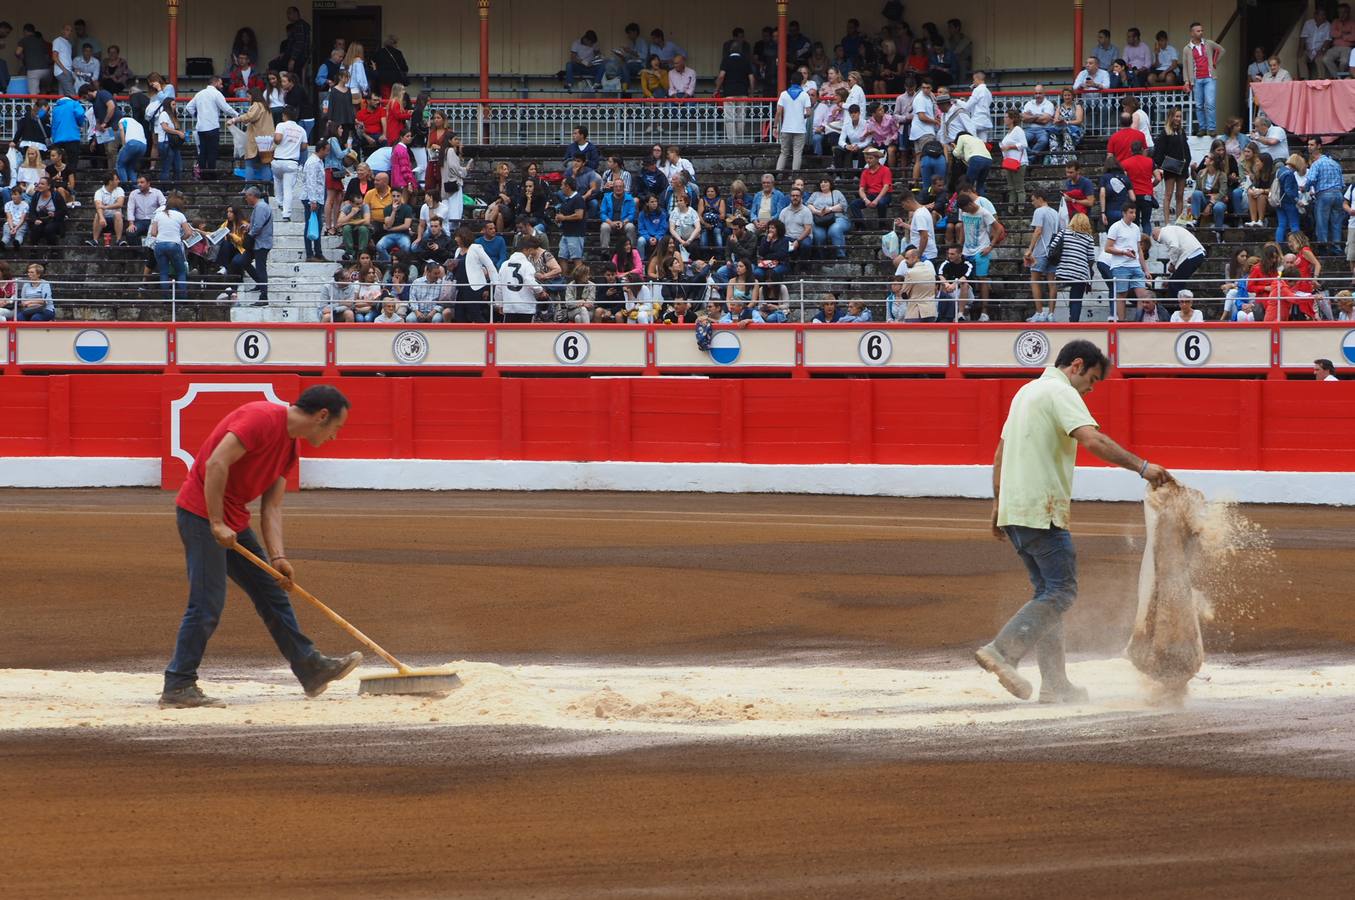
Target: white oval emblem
x=409, y=348
x=1032, y=348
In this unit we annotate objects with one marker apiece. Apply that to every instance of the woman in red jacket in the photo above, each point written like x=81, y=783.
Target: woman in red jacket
x=396, y=115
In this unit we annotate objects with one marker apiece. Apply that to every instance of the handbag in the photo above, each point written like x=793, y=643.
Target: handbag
x=1055, y=252
x=1011, y=163
x=825, y=220
x=1173, y=166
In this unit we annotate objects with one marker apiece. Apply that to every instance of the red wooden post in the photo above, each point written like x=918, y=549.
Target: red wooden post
x=1077, y=36
x=172, y=8
x=484, y=49
x=781, y=45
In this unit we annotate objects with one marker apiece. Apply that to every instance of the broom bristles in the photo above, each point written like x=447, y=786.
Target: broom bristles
x=416, y=683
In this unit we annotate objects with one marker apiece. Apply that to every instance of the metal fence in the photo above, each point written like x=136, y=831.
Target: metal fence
x=712, y=122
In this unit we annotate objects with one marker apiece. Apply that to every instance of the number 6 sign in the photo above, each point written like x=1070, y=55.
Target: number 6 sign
x=251, y=347
x=571, y=348
x=1193, y=348
x=875, y=348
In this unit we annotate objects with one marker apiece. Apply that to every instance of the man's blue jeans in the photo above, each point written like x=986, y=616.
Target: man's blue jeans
x=1050, y=560
x=573, y=70
x=209, y=565
x=1037, y=138
x=931, y=167
x=1206, y=93
x=395, y=239
x=1329, y=217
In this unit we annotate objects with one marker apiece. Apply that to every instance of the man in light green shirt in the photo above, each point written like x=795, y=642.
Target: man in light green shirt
x=1032, y=493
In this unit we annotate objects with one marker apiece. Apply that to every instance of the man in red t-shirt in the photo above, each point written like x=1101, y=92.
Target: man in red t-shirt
x=1139, y=167
x=1121, y=143
x=248, y=455
x=874, y=189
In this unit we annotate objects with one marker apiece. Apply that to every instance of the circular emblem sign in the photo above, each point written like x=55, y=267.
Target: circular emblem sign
x=1032, y=348
x=409, y=348
x=571, y=348
x=252, y=347
x=91, y=346
x=1193, y=348
x=875, y=348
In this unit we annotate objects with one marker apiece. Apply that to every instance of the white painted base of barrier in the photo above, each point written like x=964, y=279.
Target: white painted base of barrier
x=1316, y=488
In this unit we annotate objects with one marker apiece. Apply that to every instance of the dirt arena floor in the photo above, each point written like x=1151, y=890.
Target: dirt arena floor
x=900, y=770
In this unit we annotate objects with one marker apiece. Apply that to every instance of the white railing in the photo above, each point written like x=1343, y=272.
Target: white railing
x=718, y=122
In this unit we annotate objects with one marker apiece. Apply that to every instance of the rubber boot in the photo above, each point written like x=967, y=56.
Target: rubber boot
x=1024, y=630
x=1054, y=684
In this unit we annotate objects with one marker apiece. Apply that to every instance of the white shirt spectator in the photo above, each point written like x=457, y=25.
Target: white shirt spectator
x=167, y=226
x=1144, y=126
x=669, y=169
x=313, y=180
x=209, y=106
x=1195, y=316
x=919, y=283
x=518, y=285
x=857, y=96
x=1121, y=236
x=979, y=106
x=379, y=160
x=131, y=129
x=1166, y=58
x=919, y=224
x=1043, y=108
x=1014, y=146
x=479, y=267
x=794, y=112
x=62, y=48
x=107, y=199
x=953, y=121
x=586, y=54
x=161, y=120
x=1086, y=81
x=682, y=84
x=1313, y=36
x=921, y=104
x=1180, y=244
x=1278, y=151
x=853, y=132
x=86, y=70
x=293, y=137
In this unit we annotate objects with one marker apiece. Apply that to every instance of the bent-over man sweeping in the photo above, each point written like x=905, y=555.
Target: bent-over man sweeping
x=1032, y=493
x=248, y=455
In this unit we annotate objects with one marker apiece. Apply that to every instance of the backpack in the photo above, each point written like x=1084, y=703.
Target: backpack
x=1276, y=192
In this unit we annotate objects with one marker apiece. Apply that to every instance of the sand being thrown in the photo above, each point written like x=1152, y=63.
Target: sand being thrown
x=705, y=702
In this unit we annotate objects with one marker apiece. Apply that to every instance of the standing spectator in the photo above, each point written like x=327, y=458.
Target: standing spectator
x=962, y=47
x=473, y=272
x=245, y=77
x=684, y=225
x=1185, y=255
x=921, y=226
x=1171, y=164
x=829, y=209
x=36, y=58
x=1314, y=40
x=1123, y=255
x=681, y=78
x=1167, y=68
x=1288, y=210
x=402, y=163
x=142, y=204
x=1121, y=143
x=171, y=136
x=1337, y=57
x=973, y=153
x=571, y=215
x=925, y=128
x=110, y=204
x=1202, y=59
x=792, y=113
x=169, y=229
x=258, y=123
x=1077, y=262
x=874, y=189
x=63, y=59
x=1014, y=158
x=391, y=67
x=208, y=106
x=359, y=70
x=296, y=47
x=981, y=233
x=1325, y=184
x=517, y=284
x=979, y=107
x=736, y=80
x=1044, y=225
x=1142, y=177
x=882, y=131
x=7, y=289
x=673, y=164
x=313, y=196
x=338, y=107
x=67, y=118
x=582, y=146
x=1348, y=205
x=327, y=75
x=919, y=286
x=35, y=302
x=102, y=119
x=493, y=244
x=258, y=242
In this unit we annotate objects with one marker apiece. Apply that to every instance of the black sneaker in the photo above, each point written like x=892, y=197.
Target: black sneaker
x=327, y=669
x=91, y=243
x=190, y=697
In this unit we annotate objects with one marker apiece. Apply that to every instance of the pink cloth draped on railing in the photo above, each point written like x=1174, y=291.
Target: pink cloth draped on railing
x=1324, y=108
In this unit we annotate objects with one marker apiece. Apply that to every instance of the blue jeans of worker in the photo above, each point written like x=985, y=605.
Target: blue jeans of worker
x=170, y=257
x=1287, y=219
x=1051, y=562
x=834, y=235
x=1329, y=218
x=129, y=158
x=1206, y=92
x=209, y=565
x=931, y=167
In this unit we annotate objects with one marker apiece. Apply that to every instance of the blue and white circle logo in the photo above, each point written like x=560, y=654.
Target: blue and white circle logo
x=91, y=346
x=725, y=347
x=1348, y=347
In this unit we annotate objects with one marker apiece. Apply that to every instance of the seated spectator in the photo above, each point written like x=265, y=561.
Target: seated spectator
x=35, y=303
x=110, y=205
x=1218, y=183
x=852, y=142
x=86, y=67
x=390, y=311
x=585, y=60
x=618, y=215
x=1186, y=311
x=380, y=199
x=681, y=78
x=829, y=209
x=953, y=285
x=16, y=219
x=337, y=305
x=828, y=312
x=767, y=204
x=494, y=245
x=589, y=185
x=1314, y=41
x=355, y=224
x=581, y=146
x=580, y=301
x=799, y=224
x=773, y=253
x=435, y=244
x=1274, y=72
x=1272, y=140
x=874, y=189
x=673, y=164
x=115, y=74
x=46, y=215
x=7, y=292
x=398, y=227
x=712, y=210
x=654, y=79
x=428, y=297
x=857, y=312
x=1092, y=78
x=882, y=131
x=827, y=125
x=651, y=226
x=367, y=295
x=740, y=314
x=371, y=116
x=1166, y=64
x=1065, y=131
x=626, y=261
x=1037, y=117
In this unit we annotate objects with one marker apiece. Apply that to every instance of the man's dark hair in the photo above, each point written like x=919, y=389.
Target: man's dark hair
x=633, y=26
x=321, y=396
x=1193, y=24
x=956, y=23
x=1326, y=365
x=569, y=183
x=1135, y=32
x=1160, y=35
x=1089, y=353
x=1104, y=32
x=1126, y=120
x=582, y=129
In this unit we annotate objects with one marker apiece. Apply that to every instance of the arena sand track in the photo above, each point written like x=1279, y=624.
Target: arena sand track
x=1222, y=798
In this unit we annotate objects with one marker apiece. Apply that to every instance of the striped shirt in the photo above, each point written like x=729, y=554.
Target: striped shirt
x=1324, y=175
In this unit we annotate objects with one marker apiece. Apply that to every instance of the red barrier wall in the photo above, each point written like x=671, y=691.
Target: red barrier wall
x=1187, y=423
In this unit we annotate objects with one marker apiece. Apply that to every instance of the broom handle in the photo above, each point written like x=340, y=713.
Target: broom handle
x=333, y=616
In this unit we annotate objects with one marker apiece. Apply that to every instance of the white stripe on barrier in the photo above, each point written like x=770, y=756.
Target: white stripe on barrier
x=1315, y=488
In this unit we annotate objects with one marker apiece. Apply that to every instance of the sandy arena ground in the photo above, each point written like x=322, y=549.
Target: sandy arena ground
x=665, y=696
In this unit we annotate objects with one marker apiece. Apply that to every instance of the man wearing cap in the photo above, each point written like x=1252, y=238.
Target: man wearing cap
x=253, y=261
x=1032, y=493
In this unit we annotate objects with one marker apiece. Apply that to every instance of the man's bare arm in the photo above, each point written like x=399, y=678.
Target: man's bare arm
x=226, y=454
x=1103, y=447
x=997, y=490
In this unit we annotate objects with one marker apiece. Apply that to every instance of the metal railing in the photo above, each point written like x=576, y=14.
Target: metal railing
x=725, y=121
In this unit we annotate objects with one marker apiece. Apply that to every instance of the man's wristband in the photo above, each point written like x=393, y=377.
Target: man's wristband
x=1143, y=468
x=274, y=559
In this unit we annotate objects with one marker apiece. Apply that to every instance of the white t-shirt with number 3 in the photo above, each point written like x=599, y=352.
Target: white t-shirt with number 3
x=517, y=280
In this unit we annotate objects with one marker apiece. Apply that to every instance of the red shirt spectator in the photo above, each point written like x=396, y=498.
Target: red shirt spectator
x=1140, y=171
x=396, y=117
x=270, y=454
x=369, y=117
x=1121, y=143
x=874, y=182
